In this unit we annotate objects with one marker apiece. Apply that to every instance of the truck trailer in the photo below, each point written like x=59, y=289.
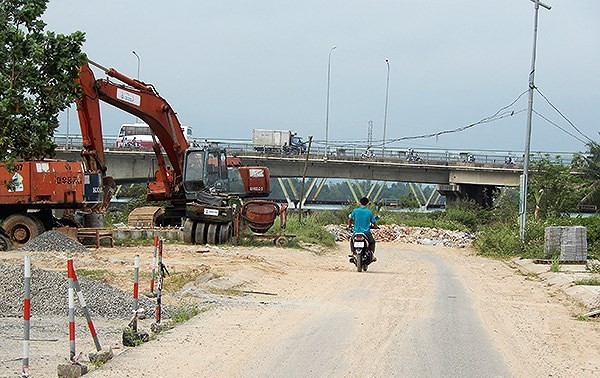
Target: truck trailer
x=277, y=141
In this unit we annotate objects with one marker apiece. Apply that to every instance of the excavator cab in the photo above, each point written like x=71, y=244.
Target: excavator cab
x=206, y=171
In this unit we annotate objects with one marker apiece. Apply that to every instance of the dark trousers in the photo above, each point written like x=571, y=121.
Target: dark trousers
x=371, y=240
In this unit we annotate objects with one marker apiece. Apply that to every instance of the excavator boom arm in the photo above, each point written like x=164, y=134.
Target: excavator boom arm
x=139, y=99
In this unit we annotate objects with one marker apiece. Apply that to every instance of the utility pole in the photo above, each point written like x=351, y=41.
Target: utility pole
x=327, y=112
x=525, y=176
x=387, y=93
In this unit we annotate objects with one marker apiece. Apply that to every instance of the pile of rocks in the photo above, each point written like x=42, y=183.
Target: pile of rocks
x=413, y=235
x=49, y=295
x=53, y=241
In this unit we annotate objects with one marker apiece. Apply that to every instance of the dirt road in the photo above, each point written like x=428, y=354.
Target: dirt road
x=420, y=311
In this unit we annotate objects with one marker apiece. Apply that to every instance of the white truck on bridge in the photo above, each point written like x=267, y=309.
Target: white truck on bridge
x=277, y=141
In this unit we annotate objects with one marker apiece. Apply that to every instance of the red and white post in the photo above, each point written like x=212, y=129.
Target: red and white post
x=70, y=272
x=136, y=277
x=26, y=314
x=160, y=281
x=154, y=265
x=85, y=310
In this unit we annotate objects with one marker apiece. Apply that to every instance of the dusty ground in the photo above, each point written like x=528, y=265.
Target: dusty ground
x=258, y=296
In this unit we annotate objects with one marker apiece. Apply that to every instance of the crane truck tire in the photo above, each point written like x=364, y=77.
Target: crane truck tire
x=188, y=231
x=21, y=228
x=206, y=233
x=201, y=233
x=225, y=233
x=213, y=233
x=5, y=244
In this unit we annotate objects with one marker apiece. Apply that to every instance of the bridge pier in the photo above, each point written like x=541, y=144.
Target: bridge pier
x=483, y=195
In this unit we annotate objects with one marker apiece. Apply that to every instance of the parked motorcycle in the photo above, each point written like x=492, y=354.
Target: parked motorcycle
x=368, y=154
x=361, y=252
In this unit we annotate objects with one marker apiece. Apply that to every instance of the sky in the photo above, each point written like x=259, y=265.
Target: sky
x=230, y=66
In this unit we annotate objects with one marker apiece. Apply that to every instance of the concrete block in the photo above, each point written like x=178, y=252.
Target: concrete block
x=101, y=357
x=71, y=370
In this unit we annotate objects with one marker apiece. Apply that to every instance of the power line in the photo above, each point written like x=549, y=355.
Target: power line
x=558, y=127
x=498, y=115
x=565, y=118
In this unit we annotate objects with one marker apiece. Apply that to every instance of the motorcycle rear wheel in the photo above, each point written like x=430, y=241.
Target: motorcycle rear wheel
x=359, y=266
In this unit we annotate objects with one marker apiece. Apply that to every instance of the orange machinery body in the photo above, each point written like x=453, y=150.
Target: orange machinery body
x=45, y=183
x=256, y=181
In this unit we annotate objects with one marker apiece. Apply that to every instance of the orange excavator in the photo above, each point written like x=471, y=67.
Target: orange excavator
x=208, y=192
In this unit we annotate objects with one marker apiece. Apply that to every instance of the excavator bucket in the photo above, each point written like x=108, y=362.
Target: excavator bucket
x=146, y=216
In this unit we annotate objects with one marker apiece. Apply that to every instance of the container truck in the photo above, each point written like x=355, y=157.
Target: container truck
x=277, y=141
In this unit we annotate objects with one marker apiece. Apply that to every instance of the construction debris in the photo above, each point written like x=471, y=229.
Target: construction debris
x=411, y=235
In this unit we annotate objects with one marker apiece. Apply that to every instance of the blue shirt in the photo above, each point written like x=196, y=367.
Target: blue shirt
x=362, y=217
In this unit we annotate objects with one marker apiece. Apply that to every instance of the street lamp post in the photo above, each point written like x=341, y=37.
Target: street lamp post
x=387, y=92
x=69, y=108
x=327, y=111
x=138, y=74
x=525, y=176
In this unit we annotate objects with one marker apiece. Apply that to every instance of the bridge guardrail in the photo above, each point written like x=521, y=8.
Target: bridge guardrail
x=494, y=158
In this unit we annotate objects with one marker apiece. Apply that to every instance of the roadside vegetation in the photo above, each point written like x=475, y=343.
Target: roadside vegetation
x=554, y=194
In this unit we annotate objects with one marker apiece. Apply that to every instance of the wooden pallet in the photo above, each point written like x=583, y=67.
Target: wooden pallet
x=96, y=234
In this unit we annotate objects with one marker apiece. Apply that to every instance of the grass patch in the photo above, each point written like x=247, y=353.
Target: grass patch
x=309, y=231
x=594, y=281
x=555, y=265
x=183, y=313
x=176, y=280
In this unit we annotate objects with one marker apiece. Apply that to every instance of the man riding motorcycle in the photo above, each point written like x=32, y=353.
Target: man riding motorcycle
x=362, y=217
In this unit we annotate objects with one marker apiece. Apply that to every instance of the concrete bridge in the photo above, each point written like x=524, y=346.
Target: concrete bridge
x=455, y=178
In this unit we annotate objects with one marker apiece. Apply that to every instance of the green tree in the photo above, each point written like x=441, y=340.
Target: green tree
x=37, y=72
x=589, y=165
x=551, y=187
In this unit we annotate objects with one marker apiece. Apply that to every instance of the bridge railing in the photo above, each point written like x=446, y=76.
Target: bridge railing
x=496, y=158
x=421, y=156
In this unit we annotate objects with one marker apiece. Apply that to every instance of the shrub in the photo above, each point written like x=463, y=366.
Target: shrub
x=309, y=231
x=499, y=240
x=467, y=213
x=593, y=234
x=332, y=217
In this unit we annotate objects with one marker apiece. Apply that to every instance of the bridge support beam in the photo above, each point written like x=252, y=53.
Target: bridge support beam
x=419, y=194
x=481, y=194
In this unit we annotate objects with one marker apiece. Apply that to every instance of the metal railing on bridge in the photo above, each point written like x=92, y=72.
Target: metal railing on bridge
x=495, y=158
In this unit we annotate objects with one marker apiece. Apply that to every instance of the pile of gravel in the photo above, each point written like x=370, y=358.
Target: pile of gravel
x=53, y=241
x=49, y=295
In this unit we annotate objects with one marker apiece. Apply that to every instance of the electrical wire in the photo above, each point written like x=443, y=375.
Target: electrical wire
x=500, y=114
x=558, y=127
x=564, y=117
